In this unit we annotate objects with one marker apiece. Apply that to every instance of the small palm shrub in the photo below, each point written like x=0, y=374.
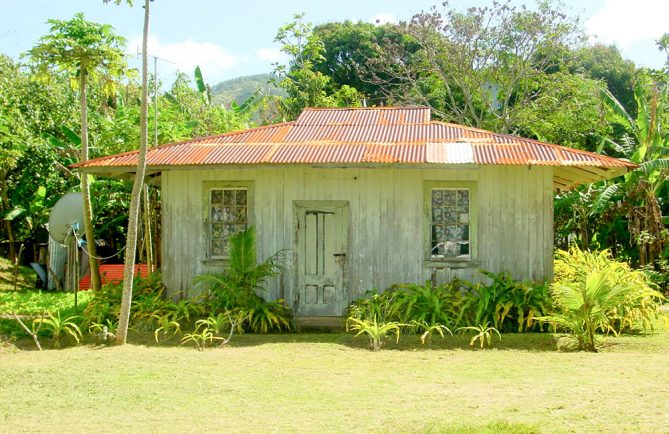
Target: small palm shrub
x=482, y=333
x=595, y=293
x=56, y=327
x=377, y=331
x=238, y=286
x=430, y=329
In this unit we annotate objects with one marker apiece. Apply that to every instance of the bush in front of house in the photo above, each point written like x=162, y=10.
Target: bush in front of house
x=505, y=304
x=236, y=289
x=150, y=310
x=508, y=305
x=594, y=293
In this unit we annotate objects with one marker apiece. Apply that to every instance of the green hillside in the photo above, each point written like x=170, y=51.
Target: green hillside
x=240, y=88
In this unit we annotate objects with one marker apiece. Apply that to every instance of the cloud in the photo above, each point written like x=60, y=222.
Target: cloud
x=270, y=55
x=213, y=59
x=625, y=22
x=383, y=18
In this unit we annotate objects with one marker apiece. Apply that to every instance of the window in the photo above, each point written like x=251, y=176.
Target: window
x=449, y=221
x=228, y=214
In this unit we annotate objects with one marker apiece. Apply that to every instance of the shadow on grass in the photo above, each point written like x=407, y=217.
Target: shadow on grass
x=536, y=342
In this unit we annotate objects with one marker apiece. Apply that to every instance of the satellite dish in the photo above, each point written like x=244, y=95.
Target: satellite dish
x=66, y=213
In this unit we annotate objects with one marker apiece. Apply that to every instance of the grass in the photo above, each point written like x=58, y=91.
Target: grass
x=26, y=276
x=332, y=383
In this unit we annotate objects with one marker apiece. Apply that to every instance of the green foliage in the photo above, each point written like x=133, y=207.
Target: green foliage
x=201, y=337
x=376, y=330
x=55, y=326
x=305, y=86
x=237, y=287
x=592, y=292
x=82, y=47
x=427, y=304
x=150, y=310
x=509, y=305
x=483, y=333
x=430, y=329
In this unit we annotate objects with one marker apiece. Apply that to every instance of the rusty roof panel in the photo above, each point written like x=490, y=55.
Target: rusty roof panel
x=379, y=135
x=364, y=116
x=318, y=154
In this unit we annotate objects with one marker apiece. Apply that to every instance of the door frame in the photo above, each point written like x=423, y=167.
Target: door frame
x=302, y=206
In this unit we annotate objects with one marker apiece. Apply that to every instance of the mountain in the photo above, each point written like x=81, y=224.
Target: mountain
x=240, y=88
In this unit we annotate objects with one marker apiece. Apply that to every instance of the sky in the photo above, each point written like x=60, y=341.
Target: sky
x=228, y=39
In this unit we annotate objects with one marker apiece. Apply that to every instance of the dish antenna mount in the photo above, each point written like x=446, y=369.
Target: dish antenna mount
x=65, y=223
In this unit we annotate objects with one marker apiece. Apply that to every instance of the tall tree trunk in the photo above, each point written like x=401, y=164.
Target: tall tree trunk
x=85, y=187
x=8, y=226
x=135, y=201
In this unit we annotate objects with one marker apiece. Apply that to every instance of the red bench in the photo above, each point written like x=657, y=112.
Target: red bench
x=112, y=273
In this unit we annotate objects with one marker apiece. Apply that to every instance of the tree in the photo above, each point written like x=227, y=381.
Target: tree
x=88, y=51
x=347, y=49
x=663, y=45
x=137, y=188
x=604, y=62
x=476, y=67
x=304, y=86
x=32, y=121
x=645, y=142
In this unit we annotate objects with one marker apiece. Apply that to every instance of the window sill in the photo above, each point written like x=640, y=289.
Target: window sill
x=216, y=261
x=451, y=263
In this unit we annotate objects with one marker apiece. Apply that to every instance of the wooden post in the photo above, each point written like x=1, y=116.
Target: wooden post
x=148, y=241
x=72, y=269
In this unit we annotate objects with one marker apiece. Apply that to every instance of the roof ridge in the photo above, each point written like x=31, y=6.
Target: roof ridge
x=410, y=107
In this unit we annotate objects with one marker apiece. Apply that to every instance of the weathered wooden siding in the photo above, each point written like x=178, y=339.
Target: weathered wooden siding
x=514, y=221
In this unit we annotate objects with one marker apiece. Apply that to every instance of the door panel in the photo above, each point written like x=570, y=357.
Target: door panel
x=321, y=243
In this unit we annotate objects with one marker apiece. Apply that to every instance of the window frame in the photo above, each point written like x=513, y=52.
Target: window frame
x=207, y=188
x=428, y=187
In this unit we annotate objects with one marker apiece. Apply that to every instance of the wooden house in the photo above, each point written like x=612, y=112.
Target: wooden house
x=361, y=198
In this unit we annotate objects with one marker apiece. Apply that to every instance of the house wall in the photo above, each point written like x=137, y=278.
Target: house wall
x=386, y=246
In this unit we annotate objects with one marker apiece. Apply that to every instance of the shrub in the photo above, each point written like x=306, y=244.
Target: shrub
x=237, y=287
x=428, y=304
x=509, y=305
x=57, y=326
x=483, y=333
x=150, y=309
x=593, y=292
x=376, y=330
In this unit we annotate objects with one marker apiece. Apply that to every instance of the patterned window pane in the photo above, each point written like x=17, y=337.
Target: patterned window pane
x=228, y=214
x=450, y=223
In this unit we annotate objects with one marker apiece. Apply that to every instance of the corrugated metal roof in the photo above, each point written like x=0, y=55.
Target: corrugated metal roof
x=401, y=135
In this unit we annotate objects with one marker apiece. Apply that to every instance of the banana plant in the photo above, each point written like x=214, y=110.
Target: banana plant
x=646, y=143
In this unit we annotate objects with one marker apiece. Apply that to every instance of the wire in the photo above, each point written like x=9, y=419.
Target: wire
x=76, y=238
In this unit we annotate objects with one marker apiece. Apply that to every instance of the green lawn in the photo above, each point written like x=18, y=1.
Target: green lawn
x=25, y=280
x=332, y=383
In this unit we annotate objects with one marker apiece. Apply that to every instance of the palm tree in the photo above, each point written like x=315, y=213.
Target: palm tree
x=88, y=51
x=137, y=187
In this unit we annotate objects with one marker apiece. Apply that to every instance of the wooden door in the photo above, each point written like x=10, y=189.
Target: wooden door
x=322, y=228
